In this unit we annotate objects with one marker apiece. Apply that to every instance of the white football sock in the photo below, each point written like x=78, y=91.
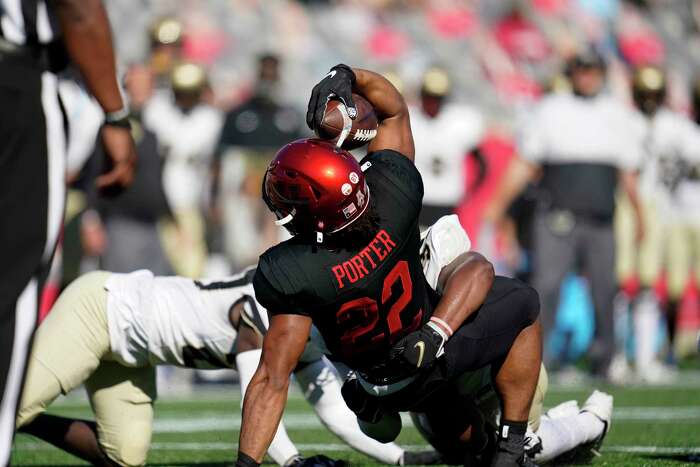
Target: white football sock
x=559, y=435
x=321, y=385
x=646, y=324
x=281, y=448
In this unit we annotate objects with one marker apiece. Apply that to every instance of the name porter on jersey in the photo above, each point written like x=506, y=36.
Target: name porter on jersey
x=367, y=260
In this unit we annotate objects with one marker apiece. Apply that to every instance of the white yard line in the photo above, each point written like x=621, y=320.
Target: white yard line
x=199, y=421
x=307, y=421
x=653, y=449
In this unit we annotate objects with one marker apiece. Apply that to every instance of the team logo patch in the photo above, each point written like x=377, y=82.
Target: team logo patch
x=354, y=178
x=360, y=199
x=349, y=210
x=346, y=189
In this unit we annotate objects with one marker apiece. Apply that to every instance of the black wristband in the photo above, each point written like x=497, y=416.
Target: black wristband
x=118, y=118
x=121, y=123
x=512, y=430
x=244, y=460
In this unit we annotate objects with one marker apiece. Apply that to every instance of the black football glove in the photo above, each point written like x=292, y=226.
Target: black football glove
x=419, y=349
x=336, y=84
x=365, y=406
x=317, y=461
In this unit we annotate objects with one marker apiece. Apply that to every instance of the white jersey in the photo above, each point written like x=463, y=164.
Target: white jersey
x=175, y=320
x=442, y=144
x=85, y=117
x=671, y=144
x=188, y=140
x=563, y=128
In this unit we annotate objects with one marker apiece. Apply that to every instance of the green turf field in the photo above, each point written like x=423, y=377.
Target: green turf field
x=651, y=426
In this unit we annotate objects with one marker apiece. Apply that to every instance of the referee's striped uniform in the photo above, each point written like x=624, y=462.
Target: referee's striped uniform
x=32, y=187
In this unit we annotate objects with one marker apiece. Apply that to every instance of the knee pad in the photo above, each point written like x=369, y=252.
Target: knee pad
x=128, y=456
x=127, y=447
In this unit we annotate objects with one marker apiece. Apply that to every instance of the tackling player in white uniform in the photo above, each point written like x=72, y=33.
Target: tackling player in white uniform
x=109, y=331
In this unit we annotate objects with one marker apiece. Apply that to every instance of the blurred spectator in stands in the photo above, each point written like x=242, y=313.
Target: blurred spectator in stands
x=251, y=134
x=123, y=230
x=166, y=48
x=671, y=146
x=520, y=37
x=187, y=131
x=579, y=147
x=444, y=133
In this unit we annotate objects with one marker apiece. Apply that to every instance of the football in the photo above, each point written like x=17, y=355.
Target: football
x=364, y=126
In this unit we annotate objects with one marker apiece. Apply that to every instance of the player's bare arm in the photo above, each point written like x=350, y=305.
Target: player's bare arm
x=465, y=283
x=88, y=39
x=267, y=393
x=520, y=172
x=394, y=130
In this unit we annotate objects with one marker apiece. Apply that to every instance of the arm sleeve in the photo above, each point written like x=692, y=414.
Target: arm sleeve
x=269, y=293
x=474, y=128
x=630, y=142
x=690, y=142
x=531, y=135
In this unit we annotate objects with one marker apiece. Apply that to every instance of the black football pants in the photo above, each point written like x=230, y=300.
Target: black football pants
x=484, y=339
x=32, y=191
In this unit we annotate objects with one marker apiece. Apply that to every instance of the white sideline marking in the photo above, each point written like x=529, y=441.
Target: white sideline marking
x=213, y=421
x=652, y=449
x=335, y=447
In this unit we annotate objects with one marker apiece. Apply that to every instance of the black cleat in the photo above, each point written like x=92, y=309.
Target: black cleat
x=421, y=458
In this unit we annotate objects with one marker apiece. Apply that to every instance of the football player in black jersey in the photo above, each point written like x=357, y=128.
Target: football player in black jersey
x=353, y=270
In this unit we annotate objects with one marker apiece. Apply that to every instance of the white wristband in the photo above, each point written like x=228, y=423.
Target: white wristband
x=439, y=330
x=442, y=323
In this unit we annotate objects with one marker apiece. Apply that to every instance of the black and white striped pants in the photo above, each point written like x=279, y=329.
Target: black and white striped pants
x=32, y=193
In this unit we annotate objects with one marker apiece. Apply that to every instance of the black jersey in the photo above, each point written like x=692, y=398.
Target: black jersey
x=365, y=299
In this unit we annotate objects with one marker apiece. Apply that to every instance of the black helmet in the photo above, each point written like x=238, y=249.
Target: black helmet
x=588, y=58
x=648, y=88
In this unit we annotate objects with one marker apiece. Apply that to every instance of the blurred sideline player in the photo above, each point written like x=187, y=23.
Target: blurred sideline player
x=444, y=133
x=166, y=35
x=671, y=145
x=568, y=143
x=115, y=328
x=38, y=40
x=187, y=129
x=353, y=270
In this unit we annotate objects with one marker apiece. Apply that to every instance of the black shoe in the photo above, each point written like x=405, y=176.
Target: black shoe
x=422, y=458
x=511, y=454
x=316, y=461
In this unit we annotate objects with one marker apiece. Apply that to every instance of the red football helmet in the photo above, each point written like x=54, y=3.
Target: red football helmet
x=311, y=185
